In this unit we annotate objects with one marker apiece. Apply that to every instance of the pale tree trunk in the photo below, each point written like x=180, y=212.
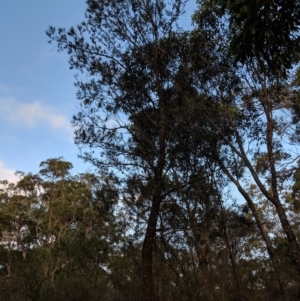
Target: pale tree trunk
x=260, y=226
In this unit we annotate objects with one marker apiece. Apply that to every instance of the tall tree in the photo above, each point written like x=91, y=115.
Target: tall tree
x=121, y=48
x=255, y=120
x=140, y=100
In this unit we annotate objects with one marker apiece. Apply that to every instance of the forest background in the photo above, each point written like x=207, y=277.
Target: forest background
x=171, y=119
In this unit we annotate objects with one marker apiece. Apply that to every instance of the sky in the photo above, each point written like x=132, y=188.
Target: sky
x=37, y=95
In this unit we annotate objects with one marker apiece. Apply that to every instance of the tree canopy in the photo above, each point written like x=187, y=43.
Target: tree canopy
x=266, y=31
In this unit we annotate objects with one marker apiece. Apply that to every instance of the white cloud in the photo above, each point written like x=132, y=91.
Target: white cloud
x=7, y=173
x=32, y=114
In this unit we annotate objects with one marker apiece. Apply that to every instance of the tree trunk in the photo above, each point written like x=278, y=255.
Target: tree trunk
x=260, y=225
x=147, y=250
x=294, y=253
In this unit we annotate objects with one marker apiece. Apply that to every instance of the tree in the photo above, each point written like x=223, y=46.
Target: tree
x=131, y=106
x=57, y=231
x=265, y=31
x=121, y=49
x=255, y=120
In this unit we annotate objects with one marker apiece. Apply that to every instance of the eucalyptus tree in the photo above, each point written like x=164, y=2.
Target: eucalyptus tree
x=261, y=149
x=56, y=228
x=132, y=98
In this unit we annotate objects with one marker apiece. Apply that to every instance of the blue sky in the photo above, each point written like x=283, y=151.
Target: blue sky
x=37, y=95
